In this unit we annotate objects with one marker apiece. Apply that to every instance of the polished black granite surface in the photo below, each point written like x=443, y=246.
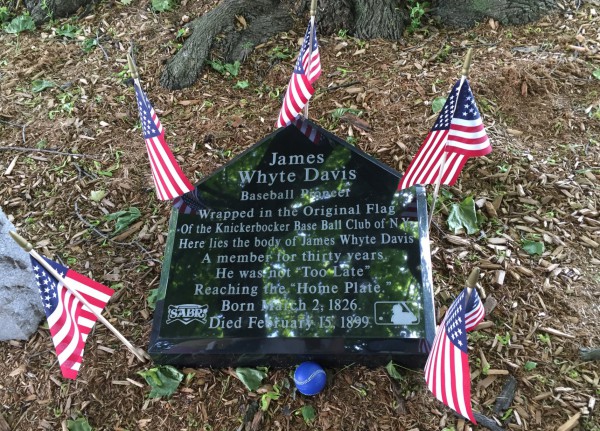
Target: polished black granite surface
x=297, y=249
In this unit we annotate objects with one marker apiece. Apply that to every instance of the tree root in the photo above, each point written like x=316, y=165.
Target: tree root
x=265, y=18
x=588, y=354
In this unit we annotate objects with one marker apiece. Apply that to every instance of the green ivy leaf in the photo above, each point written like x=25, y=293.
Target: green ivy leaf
x=242, y=84
x=250, y=377
x=464, y=215
x=530, y=365
x=438, y=104
x=4, y=14
x=308, y=413
x=20, y=24
x=533, y=247
x=162, y=5
x=97, y=195
x=596, y=73
x=217, y=65
x=265, y=400
x=393, y=372
x=68, y=30
x=233, y=69
x=79, y=424
x=40, y=85
x=164, y=380
x=124, y=218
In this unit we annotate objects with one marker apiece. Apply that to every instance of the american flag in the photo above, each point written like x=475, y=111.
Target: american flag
x=169, y=179
x=457, y=135
x=306, y=71
x=69, y=320
x=189, y=203
x=447, y=369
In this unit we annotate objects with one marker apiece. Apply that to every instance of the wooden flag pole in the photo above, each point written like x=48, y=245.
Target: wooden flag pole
x=467, y=63
x=25, y=245
x=472, y=281
x=464, y=74
x=313, y=13
x=132, y=67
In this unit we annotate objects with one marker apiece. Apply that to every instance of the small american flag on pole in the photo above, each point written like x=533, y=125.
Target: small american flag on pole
x=306, y=71
x=457, y=135
x=69, y=320
x=447, y=369
x=169, y=179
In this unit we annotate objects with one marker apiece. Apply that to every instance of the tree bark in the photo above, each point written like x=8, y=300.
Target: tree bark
x=365, y=19
x=466, y=13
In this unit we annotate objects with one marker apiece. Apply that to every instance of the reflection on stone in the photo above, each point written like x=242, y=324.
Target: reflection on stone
x=301, y=251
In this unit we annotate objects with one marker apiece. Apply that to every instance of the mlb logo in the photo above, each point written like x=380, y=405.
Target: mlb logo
x=394, y=313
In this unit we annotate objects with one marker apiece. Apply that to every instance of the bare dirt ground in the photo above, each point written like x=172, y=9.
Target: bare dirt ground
x=540, y=101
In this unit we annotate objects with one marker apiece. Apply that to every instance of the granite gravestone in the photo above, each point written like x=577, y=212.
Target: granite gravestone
x=300, y=248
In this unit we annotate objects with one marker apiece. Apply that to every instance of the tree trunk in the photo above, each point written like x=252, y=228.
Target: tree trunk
x=365, y=19
x=466, y=13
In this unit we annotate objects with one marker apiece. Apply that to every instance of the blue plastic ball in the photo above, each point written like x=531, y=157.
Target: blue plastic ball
x=310, y=378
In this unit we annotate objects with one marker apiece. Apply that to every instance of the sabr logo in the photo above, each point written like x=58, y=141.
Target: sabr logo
x=186, y=313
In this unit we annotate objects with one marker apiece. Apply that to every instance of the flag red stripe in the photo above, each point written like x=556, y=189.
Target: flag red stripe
x=65, y=334
x=167, y=159
x=453, y=169
x=162, y=171
x=93, y=284
x=425, y=161
x=454, y=140
x=466, y=409
x=467, y=126
x=161, y=191
x=446, y=375
x=295, y=99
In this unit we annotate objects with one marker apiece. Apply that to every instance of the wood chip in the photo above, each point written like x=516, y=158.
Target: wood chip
x=17, y=371
x=11, y=166
x=498, y=372
x=524, y=271
x=133, y=382
x=457, y=240
x=105, y=349
x=499, y=277
x=557, y=332
x=3, y=424
x=489, y=208
x=589, y=242
x=484, y=325
x=489, y=305
x=571, y=423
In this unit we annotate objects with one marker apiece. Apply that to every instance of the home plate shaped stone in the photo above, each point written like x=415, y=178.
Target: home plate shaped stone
x=301, y=248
